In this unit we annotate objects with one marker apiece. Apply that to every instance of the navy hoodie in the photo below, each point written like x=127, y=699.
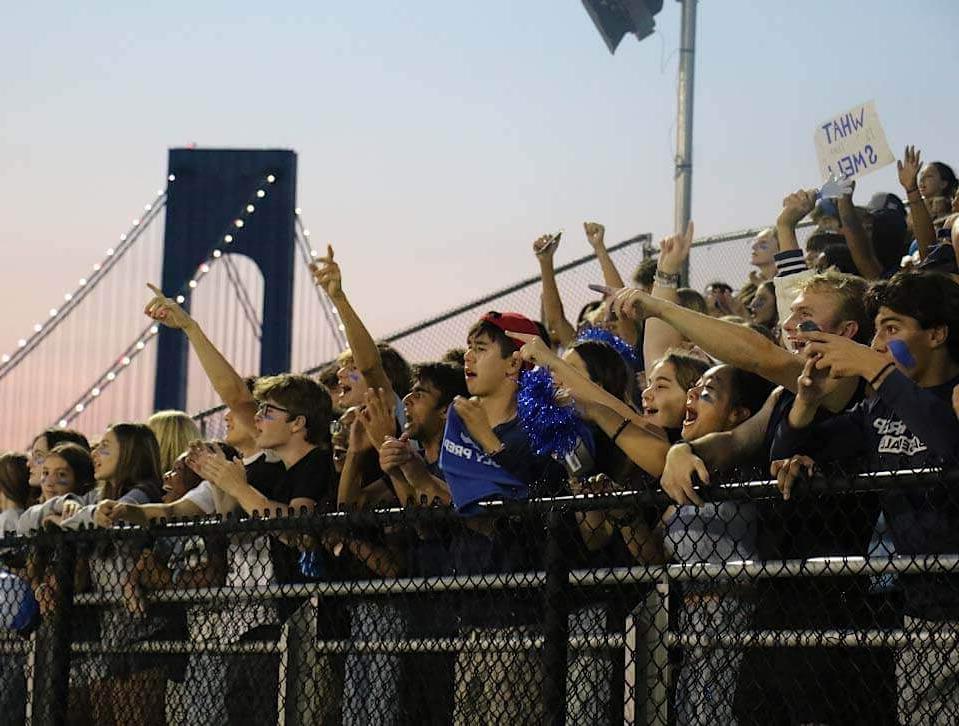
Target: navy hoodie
x=903, y=427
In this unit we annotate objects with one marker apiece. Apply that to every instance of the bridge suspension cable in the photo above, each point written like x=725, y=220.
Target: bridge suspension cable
x=220, y=246
x=57, y=315
x=309, y=256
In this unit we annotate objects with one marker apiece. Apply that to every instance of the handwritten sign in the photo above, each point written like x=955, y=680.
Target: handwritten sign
x=852, y=144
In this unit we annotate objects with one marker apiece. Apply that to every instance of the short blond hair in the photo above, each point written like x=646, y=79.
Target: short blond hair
x=849, y=292
x=174, y=430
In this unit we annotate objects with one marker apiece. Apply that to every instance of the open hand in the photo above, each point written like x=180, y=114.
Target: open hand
x=378, y=417
x=908, y=168
x=211, y=464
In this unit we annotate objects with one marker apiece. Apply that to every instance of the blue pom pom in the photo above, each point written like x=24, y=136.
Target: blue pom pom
x=553, y=429
x=625, y=350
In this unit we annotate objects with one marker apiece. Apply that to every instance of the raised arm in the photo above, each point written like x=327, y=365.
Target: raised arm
x=922, y=226
x=554, y=317
x=595, y=233
x=795, y=207
x=659, y=334
x=860, y=246
x=227, y=383
x=734, y=344
x=366, y=355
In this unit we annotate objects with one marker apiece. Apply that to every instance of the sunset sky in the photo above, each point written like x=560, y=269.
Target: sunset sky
x=437, y=139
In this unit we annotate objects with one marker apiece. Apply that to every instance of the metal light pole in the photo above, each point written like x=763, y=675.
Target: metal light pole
x=683, y=170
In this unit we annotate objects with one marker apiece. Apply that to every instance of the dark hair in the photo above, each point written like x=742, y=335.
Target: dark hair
x=587, y=309
x=749, y=390
x=691, y=299
x=80, y=462
x=720, y=285
x=948, y=176
x=396, y=369
x=15, y=478
x=543, y=333
x=646, y=272
x=447, y=378
x=138, y=461
x=930, y=298
x=889, y=234
x=818, y=241
x=689, y=368
x=57, y=435
x=607, y=369
x=303, y=397
x=839, y=257
x=456, y=356
x=327, y=376
x=505, y=344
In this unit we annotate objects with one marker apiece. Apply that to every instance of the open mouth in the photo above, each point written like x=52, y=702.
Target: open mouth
x=344, y=390
x=469, y=373
x=650, y=411
x=691, y=415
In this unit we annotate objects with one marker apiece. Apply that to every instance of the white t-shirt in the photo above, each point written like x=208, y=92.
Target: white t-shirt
x=250, y=564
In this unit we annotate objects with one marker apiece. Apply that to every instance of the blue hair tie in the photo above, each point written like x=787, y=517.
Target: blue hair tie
x=625, y=350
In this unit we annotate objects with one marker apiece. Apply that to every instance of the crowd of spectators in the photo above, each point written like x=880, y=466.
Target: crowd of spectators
x=844, y=350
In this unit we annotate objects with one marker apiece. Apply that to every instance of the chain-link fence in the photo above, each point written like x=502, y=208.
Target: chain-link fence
x=602, y=608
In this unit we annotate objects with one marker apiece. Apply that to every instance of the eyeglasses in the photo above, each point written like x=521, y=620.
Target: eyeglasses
x=264, y=408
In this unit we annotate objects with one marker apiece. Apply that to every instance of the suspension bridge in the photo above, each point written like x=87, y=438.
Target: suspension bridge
x=225, y=237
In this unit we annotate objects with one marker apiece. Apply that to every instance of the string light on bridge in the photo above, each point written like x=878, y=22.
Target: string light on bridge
x=151, y=332
x=85, y=285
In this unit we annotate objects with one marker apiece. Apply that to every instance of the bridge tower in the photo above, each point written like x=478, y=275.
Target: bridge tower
x=211, y=186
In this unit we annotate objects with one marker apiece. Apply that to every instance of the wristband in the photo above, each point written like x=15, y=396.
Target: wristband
x=619, y=430
x=872, y=381
x=667, y=279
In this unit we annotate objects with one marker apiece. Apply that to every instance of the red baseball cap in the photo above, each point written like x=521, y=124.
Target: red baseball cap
x=512, y=322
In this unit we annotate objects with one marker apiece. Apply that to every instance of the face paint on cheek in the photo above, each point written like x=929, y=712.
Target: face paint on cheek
x=707, y=396
x=901, y=353
x=353, y=377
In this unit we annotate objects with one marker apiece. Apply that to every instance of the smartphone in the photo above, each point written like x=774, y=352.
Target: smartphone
x=579, y=462
x=808, y=326
x=601, y=289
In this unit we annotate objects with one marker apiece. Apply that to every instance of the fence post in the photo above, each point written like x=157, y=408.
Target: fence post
x=555, y=623
x=52, y=684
